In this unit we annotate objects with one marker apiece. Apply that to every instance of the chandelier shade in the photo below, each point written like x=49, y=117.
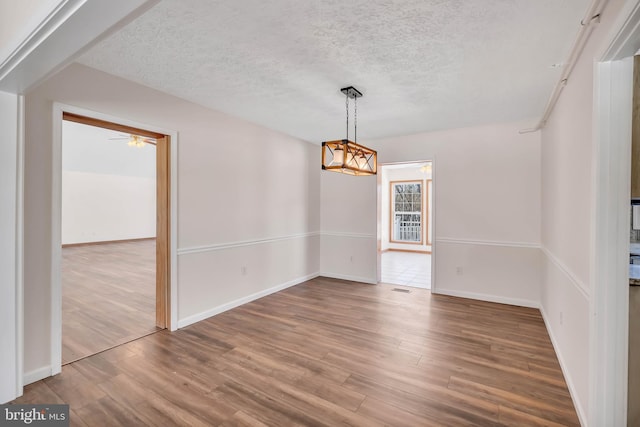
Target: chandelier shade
x=348, y=157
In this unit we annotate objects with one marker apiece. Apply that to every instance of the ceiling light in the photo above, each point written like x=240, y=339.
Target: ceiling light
x=136, y=141
x=345, y=156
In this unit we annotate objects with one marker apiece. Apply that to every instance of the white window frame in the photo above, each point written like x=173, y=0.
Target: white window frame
x=393, y=212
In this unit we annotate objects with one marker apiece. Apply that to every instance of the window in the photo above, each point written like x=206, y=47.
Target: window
x=406, y=212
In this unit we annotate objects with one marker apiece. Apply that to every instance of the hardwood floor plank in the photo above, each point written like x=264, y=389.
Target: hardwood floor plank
x=107, y=412
x=108, y=296
x=513, y=417
x=151, y=408
x=37, y=393
x=75, y=420
x=326, y=353
x=73, y=387
x=242, y=419
x=393, y=416
x=547, y=409
x=434, y=403
x=390, y=368
x=296, y=401
x=490, y=365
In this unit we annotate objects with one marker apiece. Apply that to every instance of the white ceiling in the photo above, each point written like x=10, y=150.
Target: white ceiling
x=421, y=64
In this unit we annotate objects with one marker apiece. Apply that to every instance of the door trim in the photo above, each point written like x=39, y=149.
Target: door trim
x=609, y=303
x=168, y=271
x=163, y=215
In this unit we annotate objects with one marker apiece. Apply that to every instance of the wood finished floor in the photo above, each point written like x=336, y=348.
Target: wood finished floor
x=328, y=353
x=108, y=296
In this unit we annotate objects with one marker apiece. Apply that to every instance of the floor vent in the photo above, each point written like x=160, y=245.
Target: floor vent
x=406, y=291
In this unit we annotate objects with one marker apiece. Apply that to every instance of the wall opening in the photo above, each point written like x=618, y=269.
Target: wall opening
x=406, y=224
x=114, y=235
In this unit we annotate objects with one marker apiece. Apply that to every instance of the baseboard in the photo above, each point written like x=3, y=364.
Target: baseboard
x=489, y=298
x=36, y=375
x=417, y=251
x=350, y=278
x=572, y=391
x=190, y=320
x=106, y=242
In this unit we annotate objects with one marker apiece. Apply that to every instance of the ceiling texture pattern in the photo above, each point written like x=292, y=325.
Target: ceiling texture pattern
x=422, y=65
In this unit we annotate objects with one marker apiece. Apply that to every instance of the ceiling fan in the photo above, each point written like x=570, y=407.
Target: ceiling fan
x=135, y=140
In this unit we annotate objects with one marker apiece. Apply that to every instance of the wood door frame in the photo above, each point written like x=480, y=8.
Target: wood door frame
x=166, y=213
x=163, y=209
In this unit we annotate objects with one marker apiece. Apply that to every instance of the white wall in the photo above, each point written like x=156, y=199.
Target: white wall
x=101, y=207
x=248, y=204
x=348, y=224
x=487, y=211
x=108, y=187
x=8, y=244
x=404, y=173
x=566, y=233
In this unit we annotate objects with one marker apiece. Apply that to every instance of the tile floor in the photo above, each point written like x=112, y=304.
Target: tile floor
x=406, y=268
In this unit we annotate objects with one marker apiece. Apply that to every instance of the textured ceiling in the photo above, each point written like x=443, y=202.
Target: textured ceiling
x=421, y=64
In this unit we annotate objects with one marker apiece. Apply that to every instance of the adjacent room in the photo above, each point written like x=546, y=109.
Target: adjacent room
x=108, y=239
x=406, y=204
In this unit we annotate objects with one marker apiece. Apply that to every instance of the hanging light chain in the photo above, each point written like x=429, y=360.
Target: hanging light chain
x=355, y=119
x=352, y=92
x=347, y=105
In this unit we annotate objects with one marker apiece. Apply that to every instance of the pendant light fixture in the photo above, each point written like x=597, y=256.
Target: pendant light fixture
x=345, y=156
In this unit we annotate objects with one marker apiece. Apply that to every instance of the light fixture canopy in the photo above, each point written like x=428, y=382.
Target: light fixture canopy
x=347, y=156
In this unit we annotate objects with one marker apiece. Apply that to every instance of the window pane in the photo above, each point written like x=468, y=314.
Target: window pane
x=407, y=228
x=407, y=201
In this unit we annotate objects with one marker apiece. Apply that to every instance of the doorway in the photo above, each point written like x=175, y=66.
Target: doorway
x=114, y=234
x=406, y=218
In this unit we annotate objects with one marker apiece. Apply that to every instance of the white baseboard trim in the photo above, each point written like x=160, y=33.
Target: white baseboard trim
x=582, y=416
x=486, y=297
x=350, y=278
x=240, y=301
x=37, y=375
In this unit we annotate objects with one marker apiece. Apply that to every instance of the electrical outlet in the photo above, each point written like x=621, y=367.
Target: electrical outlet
x=459, y=271
x=351, y=258
x=243, y=270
